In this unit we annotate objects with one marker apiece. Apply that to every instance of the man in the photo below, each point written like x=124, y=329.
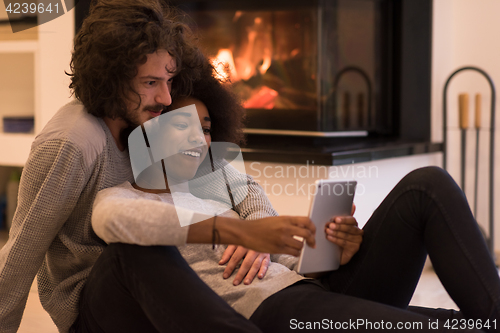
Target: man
x=129, y=57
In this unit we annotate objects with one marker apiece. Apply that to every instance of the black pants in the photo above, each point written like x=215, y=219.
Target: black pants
x=152, y=289
x=426, y=213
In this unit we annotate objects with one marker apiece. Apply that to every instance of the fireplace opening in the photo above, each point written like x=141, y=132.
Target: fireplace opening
x=321, y=68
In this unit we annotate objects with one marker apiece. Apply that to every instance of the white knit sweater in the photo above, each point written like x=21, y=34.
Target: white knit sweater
x=126, y=215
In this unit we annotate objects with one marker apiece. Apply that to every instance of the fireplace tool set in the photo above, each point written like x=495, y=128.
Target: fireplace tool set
x=463, y=103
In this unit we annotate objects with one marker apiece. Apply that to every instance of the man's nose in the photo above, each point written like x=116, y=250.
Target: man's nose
x=163, y=95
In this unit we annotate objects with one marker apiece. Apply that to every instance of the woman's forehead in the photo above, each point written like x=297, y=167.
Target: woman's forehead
x=183, y=102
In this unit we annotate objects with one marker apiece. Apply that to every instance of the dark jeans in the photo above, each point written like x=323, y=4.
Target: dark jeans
x=426, y=213
x=152, y=289
x=143, y=289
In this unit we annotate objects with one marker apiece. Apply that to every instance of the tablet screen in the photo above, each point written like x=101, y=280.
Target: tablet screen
x=331, y=198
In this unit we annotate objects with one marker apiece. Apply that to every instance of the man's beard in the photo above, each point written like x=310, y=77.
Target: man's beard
x=132, y=120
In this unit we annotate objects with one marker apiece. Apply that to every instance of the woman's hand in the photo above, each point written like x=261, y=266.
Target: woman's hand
x=254, y=263
x=277, y=234
x=344, y=232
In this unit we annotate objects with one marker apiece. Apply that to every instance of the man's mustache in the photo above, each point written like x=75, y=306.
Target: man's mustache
x=155, y=108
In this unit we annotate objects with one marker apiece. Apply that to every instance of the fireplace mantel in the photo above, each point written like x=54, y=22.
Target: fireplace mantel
x=339, y=151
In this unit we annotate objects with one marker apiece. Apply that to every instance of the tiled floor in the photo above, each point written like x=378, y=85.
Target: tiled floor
x=429, y=293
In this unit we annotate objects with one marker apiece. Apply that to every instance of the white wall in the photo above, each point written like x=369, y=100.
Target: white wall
x=290, y=186
x=465, y=34
x=56, y=44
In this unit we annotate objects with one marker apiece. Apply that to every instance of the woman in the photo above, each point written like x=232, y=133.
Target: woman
x=426, y=213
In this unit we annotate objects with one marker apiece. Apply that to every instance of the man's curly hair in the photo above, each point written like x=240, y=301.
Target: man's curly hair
x=115, y=39
x=224, y=107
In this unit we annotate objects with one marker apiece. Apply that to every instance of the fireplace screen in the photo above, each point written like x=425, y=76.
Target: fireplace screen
x=311, y=68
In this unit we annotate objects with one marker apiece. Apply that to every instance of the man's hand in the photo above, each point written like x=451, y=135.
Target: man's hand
x=254, y=263
x=344, y=232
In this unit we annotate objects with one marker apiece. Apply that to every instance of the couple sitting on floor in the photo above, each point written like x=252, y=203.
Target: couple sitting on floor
x=375, y=283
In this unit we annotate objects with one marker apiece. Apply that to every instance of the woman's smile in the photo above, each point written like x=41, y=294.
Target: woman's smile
x=195, y=152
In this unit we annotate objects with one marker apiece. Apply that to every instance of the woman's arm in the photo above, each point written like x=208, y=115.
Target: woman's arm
x=120, y=215
x=270, y=235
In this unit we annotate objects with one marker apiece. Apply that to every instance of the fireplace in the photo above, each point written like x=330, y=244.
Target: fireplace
x=322, y=68
x=325, y=67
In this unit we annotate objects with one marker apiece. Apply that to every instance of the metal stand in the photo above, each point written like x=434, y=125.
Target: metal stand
x=365, y=77
x=490, y=241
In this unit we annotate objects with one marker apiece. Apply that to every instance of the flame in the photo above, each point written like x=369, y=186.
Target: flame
x=253, y=58
x=266, y=62
x=223, y=60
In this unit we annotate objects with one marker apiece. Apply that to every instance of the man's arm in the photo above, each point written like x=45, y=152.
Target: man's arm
x=50, y=186
x=250, y=200
x=256, y=204
x=251, y=203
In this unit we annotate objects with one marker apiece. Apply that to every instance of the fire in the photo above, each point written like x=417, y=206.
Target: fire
x=266, y=62
x=222, y=62
x=263, y=98
x=252, y=58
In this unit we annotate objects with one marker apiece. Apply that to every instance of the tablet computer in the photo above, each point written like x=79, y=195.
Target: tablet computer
x=332, y=198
